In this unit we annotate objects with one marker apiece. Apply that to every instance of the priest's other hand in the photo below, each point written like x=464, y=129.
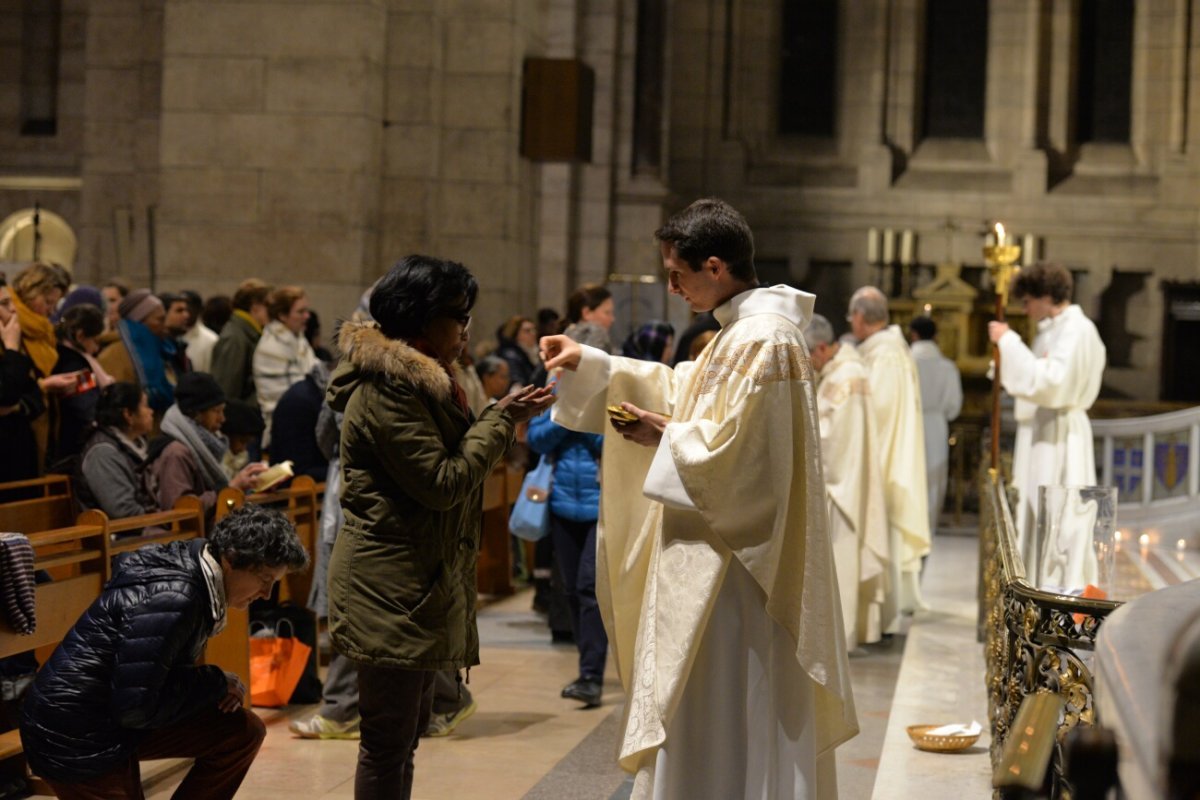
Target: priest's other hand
x=560, y=351
x=996, y=330
x=524, y=403
x=647, y=431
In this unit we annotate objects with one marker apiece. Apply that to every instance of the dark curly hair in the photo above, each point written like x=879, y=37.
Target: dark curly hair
x=711, y=227
x=1044, y=279
x=417, y=290
x=254, y=536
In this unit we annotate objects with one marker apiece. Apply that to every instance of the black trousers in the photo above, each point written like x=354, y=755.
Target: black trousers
x=575, y=549
x=395, y=705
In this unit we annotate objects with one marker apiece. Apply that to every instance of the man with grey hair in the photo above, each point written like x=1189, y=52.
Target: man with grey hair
x=853, y=487
x=900, y=438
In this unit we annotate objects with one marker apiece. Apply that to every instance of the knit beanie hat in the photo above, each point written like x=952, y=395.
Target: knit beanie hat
x=79, y=296
x=196, y=392
x=138, y=305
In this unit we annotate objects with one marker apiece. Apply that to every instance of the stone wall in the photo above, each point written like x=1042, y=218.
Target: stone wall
x=1097, y=208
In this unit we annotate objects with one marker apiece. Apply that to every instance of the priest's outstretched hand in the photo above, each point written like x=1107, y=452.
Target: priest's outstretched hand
x=560, y=352
x=648, y=429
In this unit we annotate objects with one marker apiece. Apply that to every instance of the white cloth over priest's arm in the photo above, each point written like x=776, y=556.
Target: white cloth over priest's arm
x=582, y=393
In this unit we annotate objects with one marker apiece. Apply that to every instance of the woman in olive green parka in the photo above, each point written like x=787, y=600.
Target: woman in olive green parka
x=402, y=571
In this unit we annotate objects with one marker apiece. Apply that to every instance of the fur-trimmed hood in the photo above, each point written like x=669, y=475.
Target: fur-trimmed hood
x=369, y=354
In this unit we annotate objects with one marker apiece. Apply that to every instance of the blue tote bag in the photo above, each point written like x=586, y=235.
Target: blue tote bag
x=530, y=517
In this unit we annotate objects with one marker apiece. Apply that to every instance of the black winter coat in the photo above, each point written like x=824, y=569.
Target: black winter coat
x=126, y=668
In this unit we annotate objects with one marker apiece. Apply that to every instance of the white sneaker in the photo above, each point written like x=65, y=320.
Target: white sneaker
x=318, y=727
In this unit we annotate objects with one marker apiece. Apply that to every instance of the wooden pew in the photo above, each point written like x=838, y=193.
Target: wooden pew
x=184, y=521
x=51, y=508
x=493, y=572
x=78, y=553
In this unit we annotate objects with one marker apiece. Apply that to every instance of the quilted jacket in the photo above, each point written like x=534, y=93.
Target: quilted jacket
x=126, y=668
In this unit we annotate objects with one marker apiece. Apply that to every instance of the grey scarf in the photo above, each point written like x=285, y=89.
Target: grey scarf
x=208, y=447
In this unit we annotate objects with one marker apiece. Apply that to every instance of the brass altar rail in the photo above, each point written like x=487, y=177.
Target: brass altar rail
x=1033, y=639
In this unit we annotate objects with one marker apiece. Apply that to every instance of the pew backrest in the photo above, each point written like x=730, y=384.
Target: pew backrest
x=40, y=504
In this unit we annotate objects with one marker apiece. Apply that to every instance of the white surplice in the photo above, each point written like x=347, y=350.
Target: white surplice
x=900, y=434
x=941, y=402
x=715, y=570
x=1053, y=385
x=857, y=508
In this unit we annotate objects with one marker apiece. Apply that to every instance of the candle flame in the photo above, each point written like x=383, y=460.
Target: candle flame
x=1144, y=540
x=1181, y=545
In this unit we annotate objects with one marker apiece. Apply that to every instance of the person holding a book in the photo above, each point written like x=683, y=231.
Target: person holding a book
x=187, y=458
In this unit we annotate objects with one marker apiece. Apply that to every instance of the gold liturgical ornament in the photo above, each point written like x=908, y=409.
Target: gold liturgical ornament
x=1000, y=253
x=620, y=416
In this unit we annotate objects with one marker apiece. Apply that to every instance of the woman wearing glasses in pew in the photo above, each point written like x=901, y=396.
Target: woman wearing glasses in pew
x=113, y=474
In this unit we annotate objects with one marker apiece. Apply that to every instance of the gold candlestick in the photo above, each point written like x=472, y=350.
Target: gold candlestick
x=1000, y=258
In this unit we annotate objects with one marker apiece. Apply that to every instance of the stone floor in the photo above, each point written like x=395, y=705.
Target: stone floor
x=526, y=742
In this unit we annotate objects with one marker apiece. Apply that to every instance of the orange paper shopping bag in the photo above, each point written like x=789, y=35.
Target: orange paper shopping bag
x=276, y=664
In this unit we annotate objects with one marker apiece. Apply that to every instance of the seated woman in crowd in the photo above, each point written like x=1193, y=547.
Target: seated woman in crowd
x=78, y=329
x=187, y=458
x=518, y=346
x=143, y=353
x=36, y=291
x=282, y=356
x=113, y=475
x=651, y=342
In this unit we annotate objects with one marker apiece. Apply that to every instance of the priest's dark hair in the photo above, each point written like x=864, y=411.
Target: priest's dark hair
x=417, y=290
x=1044, y=279
x=711, y=227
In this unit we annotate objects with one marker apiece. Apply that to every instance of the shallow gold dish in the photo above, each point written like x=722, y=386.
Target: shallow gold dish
x=939, y=744
x=618, y=414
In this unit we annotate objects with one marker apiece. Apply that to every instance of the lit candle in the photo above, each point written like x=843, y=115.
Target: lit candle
x=889, y=246
x=1029, y=249
x=1181, y=545
x=873, y=246
x=907, y=240
x=1000, y=234
x=1144, y=540
x=928, y=309
x=1118, y=535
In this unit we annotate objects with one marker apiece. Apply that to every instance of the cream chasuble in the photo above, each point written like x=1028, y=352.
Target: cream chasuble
x=857, y=508
x=900, y=434
x=738, y=521
x=1053, y=386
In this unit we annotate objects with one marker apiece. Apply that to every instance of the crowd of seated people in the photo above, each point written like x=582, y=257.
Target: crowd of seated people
x=145, y=397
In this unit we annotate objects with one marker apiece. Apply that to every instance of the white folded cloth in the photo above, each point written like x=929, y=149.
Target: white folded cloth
x=956, y=729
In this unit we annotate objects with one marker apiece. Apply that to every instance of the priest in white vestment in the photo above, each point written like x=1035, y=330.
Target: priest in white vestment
x=941, y=402
x=857, y=509
x=1053, y=385
x=900, y=434
x=715, y=570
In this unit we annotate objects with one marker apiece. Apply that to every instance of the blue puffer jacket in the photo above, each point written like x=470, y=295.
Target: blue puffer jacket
x=575, y=494
x=126, y=668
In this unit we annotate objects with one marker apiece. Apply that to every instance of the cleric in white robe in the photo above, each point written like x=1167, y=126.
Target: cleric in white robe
x=1053, y=385
x=858, y=522
x=900, y=433
x=941, y=402
x=715, y=570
